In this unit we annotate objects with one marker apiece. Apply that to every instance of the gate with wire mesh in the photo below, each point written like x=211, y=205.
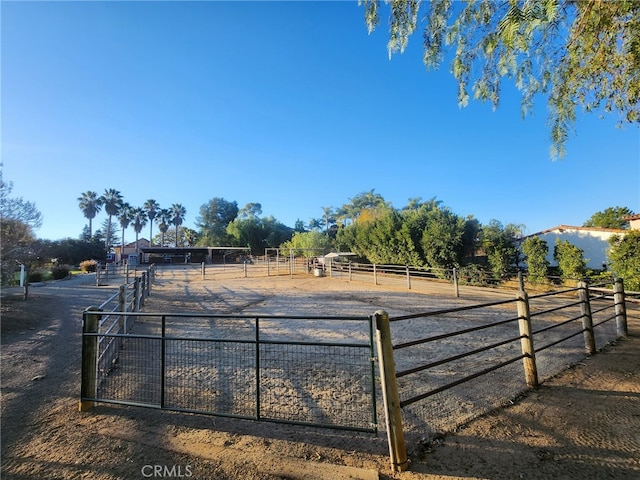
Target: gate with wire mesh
x=301, y=370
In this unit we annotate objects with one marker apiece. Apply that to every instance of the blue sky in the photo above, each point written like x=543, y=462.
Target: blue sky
x=291, y=105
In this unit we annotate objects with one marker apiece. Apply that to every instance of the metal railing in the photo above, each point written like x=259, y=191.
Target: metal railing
x=470, y=363
x=270, y=368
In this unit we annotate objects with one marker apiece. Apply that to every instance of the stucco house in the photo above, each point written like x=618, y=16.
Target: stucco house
x=593, y=241
x=634, y=221
x=129, y=249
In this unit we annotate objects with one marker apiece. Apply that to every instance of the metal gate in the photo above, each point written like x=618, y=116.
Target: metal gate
x=302, y=370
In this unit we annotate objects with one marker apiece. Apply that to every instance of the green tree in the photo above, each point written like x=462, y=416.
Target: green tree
x=163, y=219
x=624, y=258
x=214, y=217
x=125, y=215
x=307, y=243
x=443, y=238
x=151, y=207
x=138, y=221
x=612, y=217
x=535, y=250
x=178, y=212
x=575, y=53
x=112, y=200
x=90, y=204
x=570, y=258
x=500, y=245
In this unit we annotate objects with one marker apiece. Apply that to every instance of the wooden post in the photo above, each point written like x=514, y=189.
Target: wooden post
x=587, y=319
x=244, y=268
x=526, y=340
x=202, y=272
x=620, y=307
x=455, y=281
x=408, y=278
x=390, y=397
x=375, y=275
x=350, y=272
x=136, y=294
x=89, y=375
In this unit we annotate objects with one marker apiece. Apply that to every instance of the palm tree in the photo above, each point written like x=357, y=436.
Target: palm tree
x=90, y=204
x=327, y=214
x=178, y=213
x=124, y=217
x=163, y=219
x=151, y=207
x=139, y=219
x=112, y=200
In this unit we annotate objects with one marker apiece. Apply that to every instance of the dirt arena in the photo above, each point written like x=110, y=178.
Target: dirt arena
x=584, y=423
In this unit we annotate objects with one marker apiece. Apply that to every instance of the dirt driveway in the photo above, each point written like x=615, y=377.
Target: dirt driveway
x=584, y=423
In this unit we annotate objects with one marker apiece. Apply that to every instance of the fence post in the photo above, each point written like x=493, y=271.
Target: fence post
x=126, y=273
x=244, y=268
x=136, y=294
x=526, y=340
x=350, y=272
x=408, y=278
x=98, y=270
x=390, y=397
x=587, y=319
x=202, y=271
x=620, y=307
x=375, y=275
x=455, y=281
x=89, y=375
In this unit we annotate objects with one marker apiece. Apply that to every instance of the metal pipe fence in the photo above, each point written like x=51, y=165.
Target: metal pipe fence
x=474, y=358
x=270, y=368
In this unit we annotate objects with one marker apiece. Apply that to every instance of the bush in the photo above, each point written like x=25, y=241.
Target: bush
x=36, y=276
x=88, y=266
x=473, y=274
x=61, y=271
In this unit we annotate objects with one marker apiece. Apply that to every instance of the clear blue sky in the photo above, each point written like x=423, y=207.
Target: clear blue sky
x=291, y=105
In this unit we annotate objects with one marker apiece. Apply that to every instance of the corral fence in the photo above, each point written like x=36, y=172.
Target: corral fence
x=110, y=273
x=503, y=348
x=270, y=368
x=437, y=369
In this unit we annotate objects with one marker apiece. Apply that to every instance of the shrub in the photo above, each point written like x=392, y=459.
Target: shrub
x=36, y=276
x=88, y=266
x=61, y=271
x=473, y=274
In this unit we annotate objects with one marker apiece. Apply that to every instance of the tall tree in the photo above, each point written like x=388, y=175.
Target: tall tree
x=612, y=217
x=125, y=215
x=163, y=219
x=178, y=212
x=112, y=200
x=90, y=204
x=576, y=53
x=535, y=250
x=624, y=258
x=500, y=244
x=16, y=208
x=151, y=207
x=138, y=221
x=214, y=217
x=571, y=261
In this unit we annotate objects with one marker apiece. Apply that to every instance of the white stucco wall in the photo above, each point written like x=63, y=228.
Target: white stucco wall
x=593, y=242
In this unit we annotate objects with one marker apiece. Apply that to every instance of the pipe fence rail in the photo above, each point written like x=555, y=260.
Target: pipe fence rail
x=480, y=359
x=437, y=369
x=269, y=368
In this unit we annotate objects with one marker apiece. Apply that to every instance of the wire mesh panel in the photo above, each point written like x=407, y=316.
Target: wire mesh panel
x=135, y=376
x=327, y=385
x=210, y=376
x=301, y=370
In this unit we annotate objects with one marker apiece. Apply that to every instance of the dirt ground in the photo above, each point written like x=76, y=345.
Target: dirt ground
x=583, y=423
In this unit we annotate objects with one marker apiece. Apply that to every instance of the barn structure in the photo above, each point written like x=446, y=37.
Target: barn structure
x=222, y=255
